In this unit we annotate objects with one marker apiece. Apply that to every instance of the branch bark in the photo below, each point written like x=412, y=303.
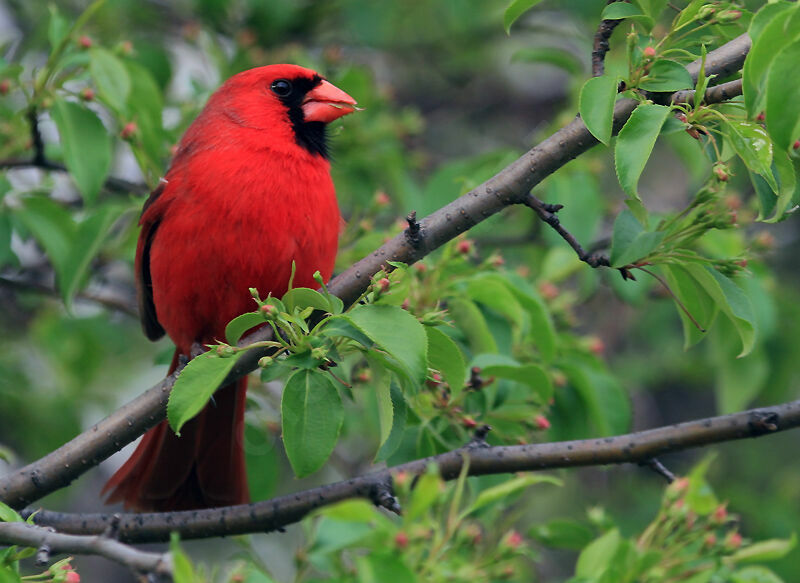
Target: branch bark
x=510, y=186
x=640, y=447
x=31, y=535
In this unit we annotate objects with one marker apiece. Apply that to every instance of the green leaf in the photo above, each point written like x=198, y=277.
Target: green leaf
x=195, y=385
x=111, y=77
x=383, y=567
x=752, y=144
x=766, y=550
x=85, y=144
x=241, y=324
x=542, y=330
x=730, y=300
x=300, y=298
x=783, y=97
x=8, y=514
x=772, y=29
x=399, y=416
x=695, y=299
x=551, y=56
x=52, y=227
x=605, y=400
x=562, y=534
x=630, y=241
x=666, y=75
x=531, y=375
x=311, y=418
x=57, y=28
x=425, y=493
x=755, y=574
x=596, y=105
x=635, y=143
x=445, y=356
x=516, y=9
x=509, y=488
x=89, y=236
x=398, y=333
x=493, y=291
x=620, y=10
x=597, y=555
x=182, y=570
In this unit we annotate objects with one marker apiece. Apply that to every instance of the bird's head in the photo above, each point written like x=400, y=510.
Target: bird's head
x=288, y=101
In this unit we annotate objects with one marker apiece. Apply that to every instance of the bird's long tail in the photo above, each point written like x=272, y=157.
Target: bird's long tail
x=202, y=468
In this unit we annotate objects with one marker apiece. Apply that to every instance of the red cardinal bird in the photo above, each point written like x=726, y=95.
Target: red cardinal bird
x=248, y=192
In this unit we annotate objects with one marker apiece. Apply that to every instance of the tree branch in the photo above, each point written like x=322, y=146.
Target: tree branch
x=510, y=186
x=31, y=535
x=600, y=46
x=640, y=447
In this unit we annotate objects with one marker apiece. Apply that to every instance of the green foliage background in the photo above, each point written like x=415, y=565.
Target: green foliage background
x=449, y=100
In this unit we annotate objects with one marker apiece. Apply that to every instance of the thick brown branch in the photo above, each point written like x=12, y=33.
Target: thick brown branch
x=640, y=447
x=510, y=186
x=30, y=535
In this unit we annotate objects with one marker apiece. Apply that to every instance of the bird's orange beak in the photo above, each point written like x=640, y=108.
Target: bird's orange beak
x=326, y=102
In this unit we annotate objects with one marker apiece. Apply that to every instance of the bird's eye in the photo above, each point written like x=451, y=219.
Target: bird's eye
x=281, y=87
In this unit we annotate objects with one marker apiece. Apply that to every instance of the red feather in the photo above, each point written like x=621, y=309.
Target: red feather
x=248, y=193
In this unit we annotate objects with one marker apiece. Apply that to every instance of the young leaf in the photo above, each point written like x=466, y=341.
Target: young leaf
x=752, y=144
x=770, y=34
x=311, y=418
x=85, y=144
x=766, y=550
x=195, y=385
x=666, y=75
x=516, y=9
x=241, y=324
x=509, y=488
x=469, y=319
x=730, y=300
x=445, y=356
x=183, y=572
x=597, y=555
x=89, y=236
x=635, y=143
x=596, y=105
x=111, y=77
x=57, y=28
x=303, y=297
x=8, y=514
x=550, y=56
x=562, y=534
x=399, y=416
x=531, y=375
x=630, y=241
x=695, y=299
x=52, y=227
x=423, y=496
x=783, y=96
x=397, y=332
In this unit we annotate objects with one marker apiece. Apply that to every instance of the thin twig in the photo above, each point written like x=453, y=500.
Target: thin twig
x=547, y=212
x=107, y=300
x=270, y=515
x=660, y=469
x=31, y=535
x=112, y=184
x=672, y=294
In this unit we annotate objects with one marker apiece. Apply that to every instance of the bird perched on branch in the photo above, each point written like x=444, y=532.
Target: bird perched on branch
x=248, y=193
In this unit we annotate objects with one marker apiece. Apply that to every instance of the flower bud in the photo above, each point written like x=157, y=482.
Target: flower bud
x=465, y=246
x=541, y=422
x=732, y=541
x=705, y=11
x=649, y=52
x=85, y=42
x=512, y=540
x=382, y=199
x=129, y=130
x=729, y=15
x=796, y=145
x=269, y=311
x=265, y=361
x=5, y=87
x=87, y=94
x=720, y=514
x=721, y=172
x=469, y=422
x=384, y=284
x=401, y=540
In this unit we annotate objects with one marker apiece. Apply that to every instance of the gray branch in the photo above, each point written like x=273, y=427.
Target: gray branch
x=270, y=515
x=41, y=537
